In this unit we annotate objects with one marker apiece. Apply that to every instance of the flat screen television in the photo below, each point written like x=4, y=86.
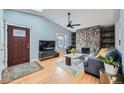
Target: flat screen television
x=46, y=45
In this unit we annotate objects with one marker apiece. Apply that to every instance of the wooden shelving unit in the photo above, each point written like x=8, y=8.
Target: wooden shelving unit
x=73, y=39
x=107, y=37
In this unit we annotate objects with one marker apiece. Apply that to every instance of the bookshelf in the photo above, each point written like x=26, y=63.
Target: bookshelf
x=73, y=39
x=107, y=37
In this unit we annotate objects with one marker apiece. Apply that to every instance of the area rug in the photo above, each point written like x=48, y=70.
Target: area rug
x=74, y=69
x=11, y=73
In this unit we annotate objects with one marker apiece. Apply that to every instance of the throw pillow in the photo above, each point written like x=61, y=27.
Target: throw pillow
x=102, y=53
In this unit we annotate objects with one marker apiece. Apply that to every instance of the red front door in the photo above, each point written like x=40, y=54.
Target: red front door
x=18, y=45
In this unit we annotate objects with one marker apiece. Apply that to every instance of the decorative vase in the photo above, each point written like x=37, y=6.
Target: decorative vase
x=110, y=69
x=73, y=53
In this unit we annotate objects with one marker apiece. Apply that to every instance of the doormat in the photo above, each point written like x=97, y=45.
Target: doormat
x=14, y=72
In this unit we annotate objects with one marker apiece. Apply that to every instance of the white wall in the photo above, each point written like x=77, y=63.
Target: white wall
x=41, y=28
x=122, y=36
x=117, y=31
x=119, y=34
x=1, y=42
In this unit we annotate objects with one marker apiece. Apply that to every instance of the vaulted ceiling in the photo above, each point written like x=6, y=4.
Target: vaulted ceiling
x=86, y=17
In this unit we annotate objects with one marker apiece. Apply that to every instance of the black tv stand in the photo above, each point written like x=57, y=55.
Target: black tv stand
x=47, y=49
x=47, y=54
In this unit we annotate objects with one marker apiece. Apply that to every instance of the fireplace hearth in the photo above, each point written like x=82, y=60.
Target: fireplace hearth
x=85, y=50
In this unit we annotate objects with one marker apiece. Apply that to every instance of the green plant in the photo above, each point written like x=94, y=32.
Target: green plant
x=73, y=50
x=111, y=61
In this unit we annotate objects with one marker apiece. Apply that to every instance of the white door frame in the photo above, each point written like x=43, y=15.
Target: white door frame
x=2, y=61
x=6, y=39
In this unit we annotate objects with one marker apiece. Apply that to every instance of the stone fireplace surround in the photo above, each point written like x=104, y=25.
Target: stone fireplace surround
x=88, y=38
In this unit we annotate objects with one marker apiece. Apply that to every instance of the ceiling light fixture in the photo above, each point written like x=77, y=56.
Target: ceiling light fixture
x=70, y=25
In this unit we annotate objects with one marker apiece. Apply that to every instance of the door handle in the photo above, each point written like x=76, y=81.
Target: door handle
x=28, y=45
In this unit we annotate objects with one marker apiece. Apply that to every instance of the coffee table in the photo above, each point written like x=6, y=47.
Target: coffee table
x=70, y=57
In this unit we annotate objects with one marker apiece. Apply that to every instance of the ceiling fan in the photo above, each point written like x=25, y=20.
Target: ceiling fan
x=70, y=22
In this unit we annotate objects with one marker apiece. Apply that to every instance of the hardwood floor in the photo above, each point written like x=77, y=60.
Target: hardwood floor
x=51, y=74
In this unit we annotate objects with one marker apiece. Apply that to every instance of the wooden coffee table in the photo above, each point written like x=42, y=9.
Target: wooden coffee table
x=70, y=57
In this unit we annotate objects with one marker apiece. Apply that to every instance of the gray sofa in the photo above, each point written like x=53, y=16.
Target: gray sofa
x=93, y=65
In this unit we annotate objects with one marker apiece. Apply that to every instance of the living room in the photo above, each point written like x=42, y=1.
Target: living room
x=56, y=37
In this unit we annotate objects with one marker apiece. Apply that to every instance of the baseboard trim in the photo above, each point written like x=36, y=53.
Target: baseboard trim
x=32, y=60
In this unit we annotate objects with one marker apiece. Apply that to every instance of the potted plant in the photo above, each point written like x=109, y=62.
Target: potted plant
x=73, y=51
x=111, y=65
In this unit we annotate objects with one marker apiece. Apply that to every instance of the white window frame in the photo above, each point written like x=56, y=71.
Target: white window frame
x=58, y=35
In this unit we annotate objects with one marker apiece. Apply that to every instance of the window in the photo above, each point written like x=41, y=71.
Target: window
x=61, y=41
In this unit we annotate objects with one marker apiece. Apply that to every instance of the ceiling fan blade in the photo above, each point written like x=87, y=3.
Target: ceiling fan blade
x=71, y=27
x=75, y=24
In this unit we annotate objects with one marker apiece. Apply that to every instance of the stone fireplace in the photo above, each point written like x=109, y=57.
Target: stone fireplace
x=88, y=38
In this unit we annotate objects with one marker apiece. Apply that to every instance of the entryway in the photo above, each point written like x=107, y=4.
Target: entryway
x=18, y=45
